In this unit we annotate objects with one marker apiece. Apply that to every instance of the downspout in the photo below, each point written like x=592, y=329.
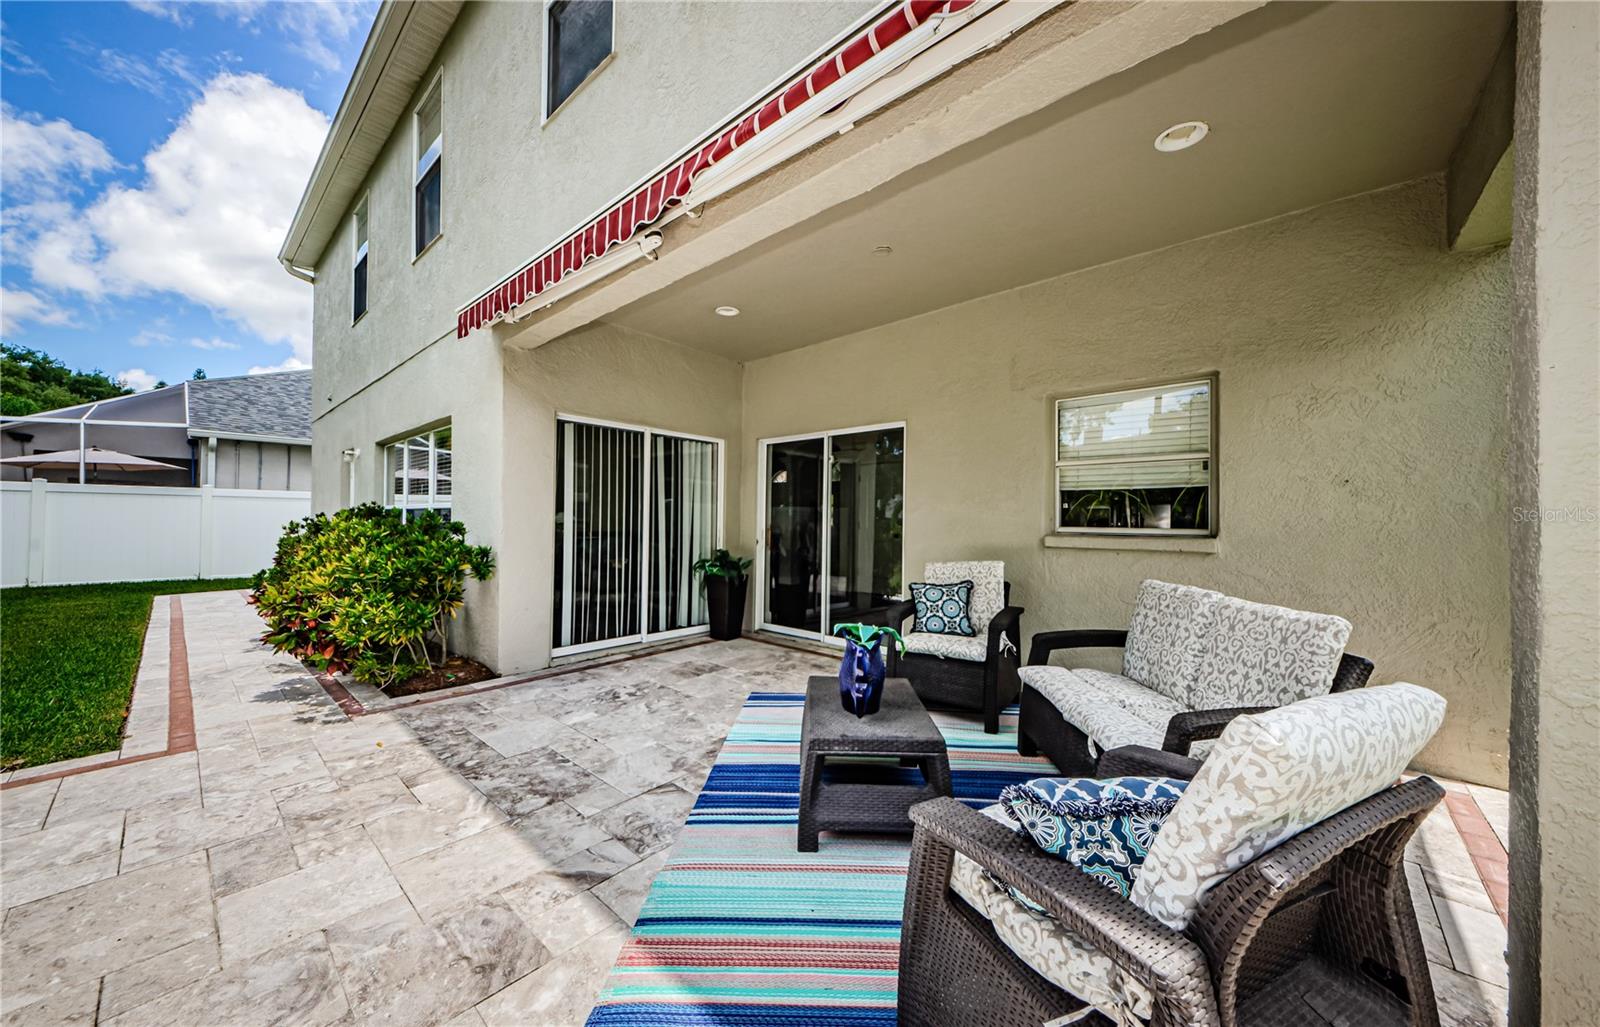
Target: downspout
x=304, y=274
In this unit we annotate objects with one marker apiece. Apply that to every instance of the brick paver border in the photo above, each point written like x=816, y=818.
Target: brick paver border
x=1489, y=857
x=180, y=709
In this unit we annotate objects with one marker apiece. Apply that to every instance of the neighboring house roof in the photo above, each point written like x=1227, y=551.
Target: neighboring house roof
x=270, y=405
x=404, y=38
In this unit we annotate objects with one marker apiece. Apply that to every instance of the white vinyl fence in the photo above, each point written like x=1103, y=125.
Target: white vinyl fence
x=53, y=533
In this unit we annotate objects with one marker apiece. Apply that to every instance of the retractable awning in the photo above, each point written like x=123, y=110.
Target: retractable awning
x=892, y=40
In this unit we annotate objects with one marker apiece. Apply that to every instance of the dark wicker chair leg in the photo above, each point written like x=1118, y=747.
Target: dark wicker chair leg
x=1025, y=746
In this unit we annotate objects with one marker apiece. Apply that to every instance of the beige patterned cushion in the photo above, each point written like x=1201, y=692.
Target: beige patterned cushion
x=1260, y=655
x=1167, y=636
x=950, y=647
x=988, y=579
x=1055, y=953
x=1274, y=774
x=1111, y=709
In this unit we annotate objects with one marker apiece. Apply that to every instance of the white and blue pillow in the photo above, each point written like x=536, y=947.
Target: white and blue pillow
x=943, y=609
x=1104, y=827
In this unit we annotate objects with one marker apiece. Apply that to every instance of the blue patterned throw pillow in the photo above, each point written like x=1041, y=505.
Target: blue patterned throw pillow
x=1102, y=827
x=943, y=609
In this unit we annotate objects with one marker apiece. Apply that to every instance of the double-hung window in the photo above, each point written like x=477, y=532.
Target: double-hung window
x=419, y=471
x=358, y=274
x=1138, y=462
x=578, y=39
x=427, y=215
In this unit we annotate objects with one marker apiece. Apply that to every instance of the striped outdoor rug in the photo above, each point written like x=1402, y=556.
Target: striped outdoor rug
x=740, y=930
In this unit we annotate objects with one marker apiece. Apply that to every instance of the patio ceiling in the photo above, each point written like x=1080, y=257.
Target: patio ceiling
x=1306, y=103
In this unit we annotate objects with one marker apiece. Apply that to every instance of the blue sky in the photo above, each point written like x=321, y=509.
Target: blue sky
x=151, y=155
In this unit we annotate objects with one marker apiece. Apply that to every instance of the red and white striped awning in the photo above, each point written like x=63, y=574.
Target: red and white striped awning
x=645, y=206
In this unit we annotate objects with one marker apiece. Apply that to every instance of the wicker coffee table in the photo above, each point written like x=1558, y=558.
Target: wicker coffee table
x=864, y=797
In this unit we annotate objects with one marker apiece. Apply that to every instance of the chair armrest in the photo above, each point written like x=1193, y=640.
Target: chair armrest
x=1165, y=960
x=1008, y=622
x=892, y=616
x=1047, y=642
x=1140, y=761
x=1352, y=673
x=1196, y=725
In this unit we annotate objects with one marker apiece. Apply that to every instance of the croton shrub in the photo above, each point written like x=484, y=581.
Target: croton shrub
x=367, y=592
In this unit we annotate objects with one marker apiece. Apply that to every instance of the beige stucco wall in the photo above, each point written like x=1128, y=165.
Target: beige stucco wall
x=609, y=374
x=1362, y=375
x=1555, y=527
x=513, y=183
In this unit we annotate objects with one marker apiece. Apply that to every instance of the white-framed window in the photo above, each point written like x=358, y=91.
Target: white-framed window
x=427, y=213
x=1138, y=461
x=358, y=263
x=579, y=36
x=419, y=470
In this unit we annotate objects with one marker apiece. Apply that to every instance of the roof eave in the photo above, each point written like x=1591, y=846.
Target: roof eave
x=388, y=35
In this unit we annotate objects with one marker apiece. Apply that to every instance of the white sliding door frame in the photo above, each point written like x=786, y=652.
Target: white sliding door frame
x=647, y=463
x=763, y=447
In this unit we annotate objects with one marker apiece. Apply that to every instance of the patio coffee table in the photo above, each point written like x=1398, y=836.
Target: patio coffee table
x=864, y=797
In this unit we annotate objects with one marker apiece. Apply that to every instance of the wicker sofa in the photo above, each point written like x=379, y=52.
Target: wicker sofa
x=1193, y=660
x=976, y=673
x=1315, y=925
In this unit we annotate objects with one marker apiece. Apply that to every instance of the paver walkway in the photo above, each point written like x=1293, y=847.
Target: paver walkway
x=473, y=861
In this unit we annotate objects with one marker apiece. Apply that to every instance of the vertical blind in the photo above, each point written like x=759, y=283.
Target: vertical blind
x=634, y=511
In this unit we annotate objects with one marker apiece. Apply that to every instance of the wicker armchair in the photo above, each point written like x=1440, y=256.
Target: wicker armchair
x=1041, y=728
x=1319, y=930
x=989, y=684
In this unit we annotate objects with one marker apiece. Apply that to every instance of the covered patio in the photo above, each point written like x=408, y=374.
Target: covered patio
x=488, y=858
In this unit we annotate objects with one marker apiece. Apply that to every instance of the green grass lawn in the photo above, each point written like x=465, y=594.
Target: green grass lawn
x=68, y=655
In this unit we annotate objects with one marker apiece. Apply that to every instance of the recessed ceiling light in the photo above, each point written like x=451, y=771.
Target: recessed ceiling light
x=1182, y=136
x=882, y=251
x=727, y=311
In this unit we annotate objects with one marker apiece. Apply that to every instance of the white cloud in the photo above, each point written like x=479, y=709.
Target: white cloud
x=311, y=28
x=19, y=307
x=172, y=12
x=213, y=344
x=16, y=60
x=292, y=364
x=44, y=158
x=205, y=222
x=148, y=337
x=137, y=379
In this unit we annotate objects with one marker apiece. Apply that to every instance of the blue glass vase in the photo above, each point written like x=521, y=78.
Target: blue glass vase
x=861, y=676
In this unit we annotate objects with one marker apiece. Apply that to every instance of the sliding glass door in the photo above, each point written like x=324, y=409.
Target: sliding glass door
x=634, y=509
x=833, y=507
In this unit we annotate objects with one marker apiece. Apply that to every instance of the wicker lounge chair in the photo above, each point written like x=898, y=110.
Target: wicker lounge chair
x=1191, y=663
x=1316, y=929
x=976, y=673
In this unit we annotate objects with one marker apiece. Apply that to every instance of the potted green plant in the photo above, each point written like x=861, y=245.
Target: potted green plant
x=726, y=581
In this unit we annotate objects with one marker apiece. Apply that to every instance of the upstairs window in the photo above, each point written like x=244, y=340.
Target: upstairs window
x=1137, y=462
x=420, y=473
x=430, y=166
x=577, y=40
x=358, y=276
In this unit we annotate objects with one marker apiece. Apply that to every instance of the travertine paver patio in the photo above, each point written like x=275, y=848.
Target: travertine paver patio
x=476, y=860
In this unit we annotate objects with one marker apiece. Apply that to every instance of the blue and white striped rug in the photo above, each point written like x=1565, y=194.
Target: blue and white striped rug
x=740, y=930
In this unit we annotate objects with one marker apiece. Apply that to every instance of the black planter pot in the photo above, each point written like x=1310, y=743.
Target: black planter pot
x=726, y=599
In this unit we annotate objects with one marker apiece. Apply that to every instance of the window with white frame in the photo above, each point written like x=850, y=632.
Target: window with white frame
x=358, y=273
x=420, y=471
x=427, y=213
x=578, y=39
x=1138, y=462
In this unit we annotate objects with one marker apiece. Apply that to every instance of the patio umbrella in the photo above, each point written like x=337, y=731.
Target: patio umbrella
x=94, y=456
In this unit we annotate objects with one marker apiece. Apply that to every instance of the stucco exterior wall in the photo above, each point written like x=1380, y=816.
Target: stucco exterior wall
x=513, y=183
x=1362, y=375
x=1555, y=527
x=611, y=374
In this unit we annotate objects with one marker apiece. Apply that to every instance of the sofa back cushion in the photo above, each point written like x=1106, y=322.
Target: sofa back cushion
x=1271, y=776
x=988, y=579
x=1167, y=636
x=1261, y=655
